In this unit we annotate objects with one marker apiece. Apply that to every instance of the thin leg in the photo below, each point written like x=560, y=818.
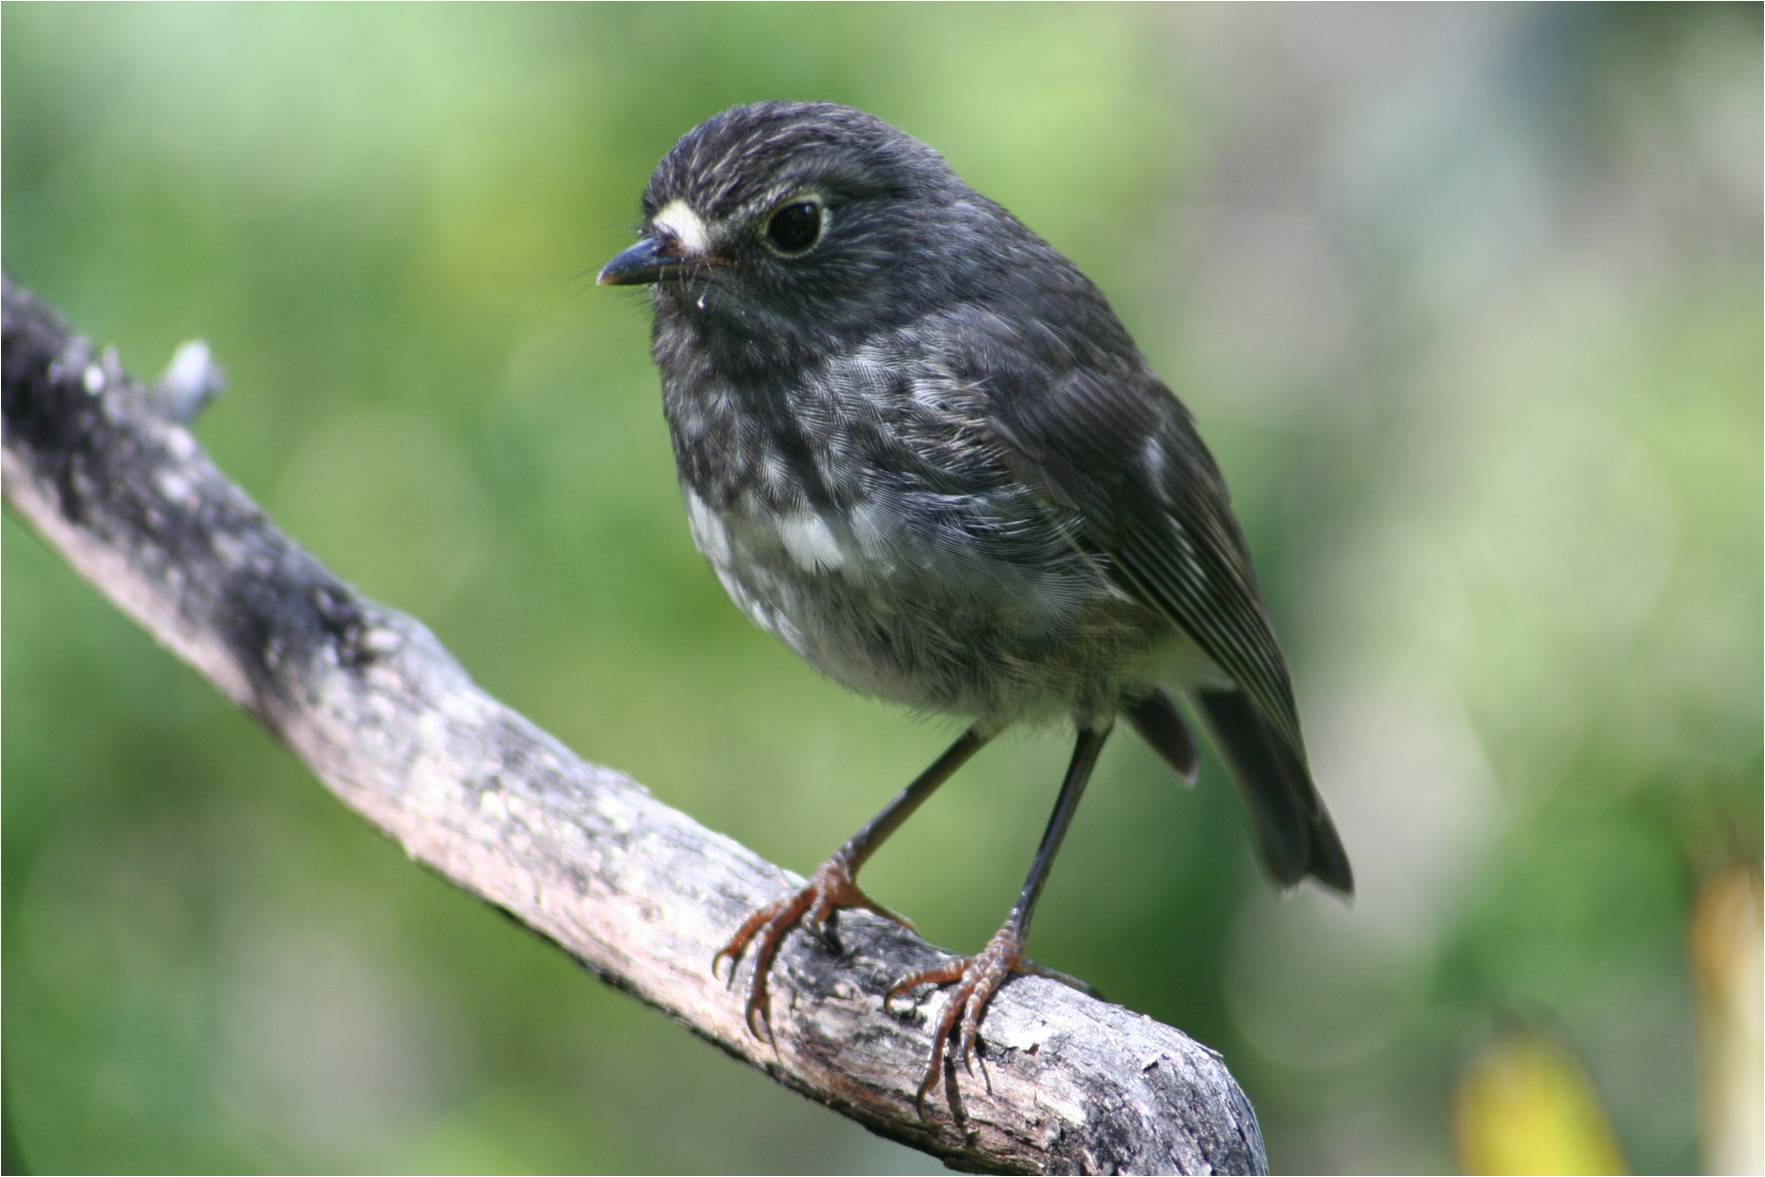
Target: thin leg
x=832, y=886
x=979, y=977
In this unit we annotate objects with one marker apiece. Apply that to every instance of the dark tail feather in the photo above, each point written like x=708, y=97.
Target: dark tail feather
x=1154, y=715
x=1292, y=828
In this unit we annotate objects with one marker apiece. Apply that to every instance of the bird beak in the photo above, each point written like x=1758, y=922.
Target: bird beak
x=650, y=260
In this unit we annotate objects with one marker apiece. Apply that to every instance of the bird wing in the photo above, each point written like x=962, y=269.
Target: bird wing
x=1080, y=418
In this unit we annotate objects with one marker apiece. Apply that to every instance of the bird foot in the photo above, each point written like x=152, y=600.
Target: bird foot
x=976, y=979
x=816, y=908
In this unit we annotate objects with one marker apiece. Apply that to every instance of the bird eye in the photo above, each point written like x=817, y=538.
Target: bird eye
x=795, y=228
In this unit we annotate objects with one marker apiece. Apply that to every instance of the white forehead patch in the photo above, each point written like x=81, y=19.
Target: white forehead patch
x=676, y=218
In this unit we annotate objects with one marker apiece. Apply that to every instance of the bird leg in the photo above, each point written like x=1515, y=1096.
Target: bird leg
x=833, y=886
x=977, y=978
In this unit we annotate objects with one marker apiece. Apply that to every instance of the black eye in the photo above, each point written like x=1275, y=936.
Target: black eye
x=795, y=227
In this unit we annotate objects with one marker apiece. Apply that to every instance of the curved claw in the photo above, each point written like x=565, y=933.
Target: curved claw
x=827, y=892
x=759, y=1021
x=738, y=943
x=977, y=979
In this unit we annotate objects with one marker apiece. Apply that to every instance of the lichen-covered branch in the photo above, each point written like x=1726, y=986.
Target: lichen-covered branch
x=384, y=716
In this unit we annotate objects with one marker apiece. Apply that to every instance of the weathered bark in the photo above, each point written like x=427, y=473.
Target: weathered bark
x=639, y=893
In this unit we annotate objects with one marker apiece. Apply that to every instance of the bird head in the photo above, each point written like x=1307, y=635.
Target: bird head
x=794, y=220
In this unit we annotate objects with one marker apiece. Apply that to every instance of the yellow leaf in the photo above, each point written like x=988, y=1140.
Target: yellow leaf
x=1527, y=1105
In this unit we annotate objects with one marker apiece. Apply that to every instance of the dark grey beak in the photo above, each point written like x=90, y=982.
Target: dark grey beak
x=648, y=261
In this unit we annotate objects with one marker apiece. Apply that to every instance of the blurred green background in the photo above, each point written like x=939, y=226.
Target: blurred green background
x=1467, y=300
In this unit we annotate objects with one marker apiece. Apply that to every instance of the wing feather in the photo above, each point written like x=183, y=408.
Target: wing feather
x=1084, y=422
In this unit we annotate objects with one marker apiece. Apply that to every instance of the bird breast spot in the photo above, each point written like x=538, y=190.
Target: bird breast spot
x=684, y=224
x=811, y=542
x=709, y=532
x=743, y=539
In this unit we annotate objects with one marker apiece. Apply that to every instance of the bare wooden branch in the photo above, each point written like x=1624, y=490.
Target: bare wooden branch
x=636, y=891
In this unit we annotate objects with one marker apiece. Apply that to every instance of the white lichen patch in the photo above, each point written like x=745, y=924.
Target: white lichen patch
x=172, y=484
x=191, y=370
x=380, y=639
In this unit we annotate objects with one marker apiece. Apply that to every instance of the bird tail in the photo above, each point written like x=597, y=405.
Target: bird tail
x=1293, y=830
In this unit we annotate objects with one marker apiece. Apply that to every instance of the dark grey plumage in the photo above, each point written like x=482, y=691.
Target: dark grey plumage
x=924, y=452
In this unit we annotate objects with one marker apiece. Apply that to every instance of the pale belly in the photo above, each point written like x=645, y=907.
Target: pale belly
x=929, y=619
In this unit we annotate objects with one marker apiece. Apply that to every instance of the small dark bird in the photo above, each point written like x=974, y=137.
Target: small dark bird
x=919, y=448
